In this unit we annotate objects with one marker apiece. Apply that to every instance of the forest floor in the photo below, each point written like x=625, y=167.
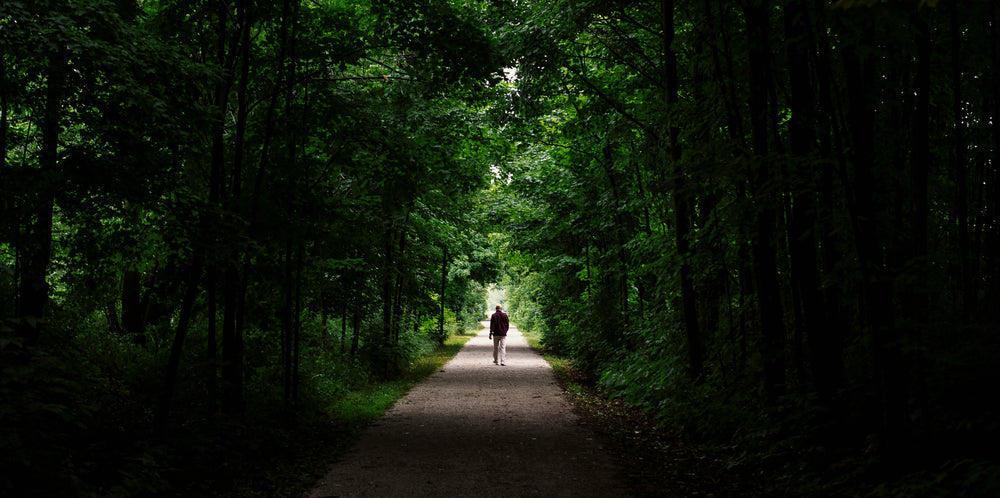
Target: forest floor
x=479, y=429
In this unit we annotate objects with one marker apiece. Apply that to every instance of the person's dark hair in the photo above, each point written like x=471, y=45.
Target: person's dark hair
x=498, y=307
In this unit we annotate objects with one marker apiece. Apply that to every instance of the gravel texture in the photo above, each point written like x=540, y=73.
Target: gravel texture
x=479, y=430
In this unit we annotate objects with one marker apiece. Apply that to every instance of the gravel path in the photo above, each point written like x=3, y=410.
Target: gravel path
x=479, y=430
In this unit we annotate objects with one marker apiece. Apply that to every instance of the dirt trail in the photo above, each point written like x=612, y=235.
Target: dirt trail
x=479, y=430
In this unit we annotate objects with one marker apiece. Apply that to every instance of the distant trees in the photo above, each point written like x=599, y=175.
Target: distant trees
x=201, y=190
x=781, y=208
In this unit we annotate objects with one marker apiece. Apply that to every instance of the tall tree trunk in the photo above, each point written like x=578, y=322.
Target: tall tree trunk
x=8, y=223
x=33, y=287
x=967, y=282
x=621, y=225
x=4, y=106
x=830, y=145
x=289, y=32
x=876, y=289
x=764, y=258
x=914, y=299
x=216, y=188
x=724, y=74
x=920, y=152
x=682, y=219
x=823, y=340
x=235, y=282
x=388, y=273
x=725, y=77
x=991, y=221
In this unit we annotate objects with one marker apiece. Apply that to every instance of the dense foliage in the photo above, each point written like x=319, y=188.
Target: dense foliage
x=219, y=216
x=773, y=223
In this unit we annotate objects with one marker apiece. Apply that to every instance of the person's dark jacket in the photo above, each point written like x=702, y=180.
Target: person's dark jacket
x=499, y=323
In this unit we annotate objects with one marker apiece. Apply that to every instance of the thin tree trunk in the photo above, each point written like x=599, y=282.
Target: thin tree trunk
x=387, y=292
x=286, y=323
x=234, y=288
x=908, y=373
x=764, y=258
x=289, y=26
x=324, y=317
x=9, y=224
x=232, y=364
x=876, y=289
x=356, y=336
x=131, y=301
x=967, y=282
x=162, y=415
x=444, y=283
x=822, y=339
x=343, y=333
x=4, y=105
x=920, y=153
x=398, y=299
x=216, y=185
x=297, y=323
x=212, y=344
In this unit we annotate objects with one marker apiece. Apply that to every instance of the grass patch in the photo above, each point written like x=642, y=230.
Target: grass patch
x=284, y=461
x=365, y=405
x=534, y=340
x=437, y=358
x=574, y=381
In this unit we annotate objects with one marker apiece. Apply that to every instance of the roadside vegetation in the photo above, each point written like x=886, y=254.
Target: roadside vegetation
x=276, y=460
x=314, y=445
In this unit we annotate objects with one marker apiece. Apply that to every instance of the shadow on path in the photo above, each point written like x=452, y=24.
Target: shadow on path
x=479, y=430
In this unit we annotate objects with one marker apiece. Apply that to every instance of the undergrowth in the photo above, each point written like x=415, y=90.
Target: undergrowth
x=77, y=421
x=332, y=431
x=654, y=459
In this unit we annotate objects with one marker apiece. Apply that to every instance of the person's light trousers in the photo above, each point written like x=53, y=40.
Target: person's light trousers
x=500, y=348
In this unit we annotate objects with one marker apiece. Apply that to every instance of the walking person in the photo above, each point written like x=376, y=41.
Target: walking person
x=498, y=332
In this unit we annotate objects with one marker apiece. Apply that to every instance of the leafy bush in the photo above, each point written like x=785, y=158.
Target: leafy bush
x=430, y=326
x=660, y=385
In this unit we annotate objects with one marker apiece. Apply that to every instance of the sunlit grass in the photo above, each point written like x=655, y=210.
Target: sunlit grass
x=436, y=359
x=343, y=422
x=534, y=339
x=561, y=365
x=367, y=403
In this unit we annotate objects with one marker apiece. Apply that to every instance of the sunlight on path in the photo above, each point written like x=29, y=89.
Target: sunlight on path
x=481, y=430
